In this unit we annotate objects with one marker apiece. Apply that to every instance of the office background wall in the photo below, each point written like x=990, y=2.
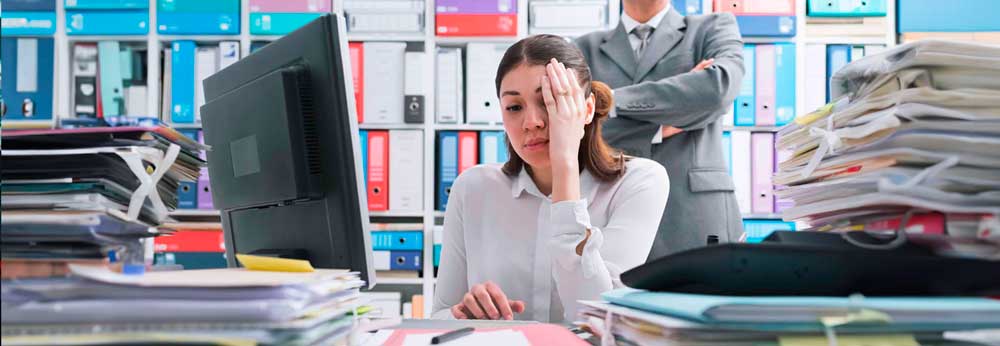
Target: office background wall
x=68, y=61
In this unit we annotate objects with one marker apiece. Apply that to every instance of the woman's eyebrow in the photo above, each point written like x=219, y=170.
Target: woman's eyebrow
x=511, y=92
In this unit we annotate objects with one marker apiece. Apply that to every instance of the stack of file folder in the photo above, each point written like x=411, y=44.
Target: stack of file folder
x=82, y=194
x=192, y=307
x=912, y=133
x=636, y=317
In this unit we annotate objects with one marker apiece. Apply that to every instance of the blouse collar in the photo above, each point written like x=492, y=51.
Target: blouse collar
x=523, y=183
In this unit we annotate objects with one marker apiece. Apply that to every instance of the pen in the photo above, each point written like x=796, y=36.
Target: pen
x=452, y=335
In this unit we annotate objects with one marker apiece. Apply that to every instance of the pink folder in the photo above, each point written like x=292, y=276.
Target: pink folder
x=762, y=163
x=285, y=6
x=765, y=85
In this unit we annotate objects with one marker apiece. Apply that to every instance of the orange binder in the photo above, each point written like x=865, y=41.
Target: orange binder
x=378, y=170
x=468, y=150
x=357, y=74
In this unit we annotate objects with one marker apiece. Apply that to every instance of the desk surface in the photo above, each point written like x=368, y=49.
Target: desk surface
x=456, y=324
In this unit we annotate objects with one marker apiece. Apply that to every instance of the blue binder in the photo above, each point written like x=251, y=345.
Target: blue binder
x=189, y=23
x=727, y=150
x=447, y=169
x=397, y=240
x=187, y=191
x=745, y=103
x=437, y=255
x=757, y=230
x=687, y=7
x=110, y=75
x=949, y=16
x=27, y=5
x=182, y=82
x=107, y=22
x=363, y=138
x=192, y=260
x=846, y=8
x=784, y=83
x=766, y=26
x=279, y=23
x=501, y=148
x=21, y=23
x=33, y=96
x=405, y=260
x=837, y=56
x=106, y=4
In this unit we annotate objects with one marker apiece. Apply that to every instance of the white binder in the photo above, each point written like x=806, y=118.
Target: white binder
x=383, y=94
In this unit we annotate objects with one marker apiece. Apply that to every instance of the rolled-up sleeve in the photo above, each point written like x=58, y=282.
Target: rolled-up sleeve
x=633, y=218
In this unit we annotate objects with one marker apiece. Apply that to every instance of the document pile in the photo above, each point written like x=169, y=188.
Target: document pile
x=231, y=306
x=638, y=317
x=913, y=131
x=79, y=194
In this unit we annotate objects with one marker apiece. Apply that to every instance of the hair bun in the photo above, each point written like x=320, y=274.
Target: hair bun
x=603, y=101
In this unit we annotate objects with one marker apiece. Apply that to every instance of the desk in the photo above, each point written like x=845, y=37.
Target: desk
x=456, y=324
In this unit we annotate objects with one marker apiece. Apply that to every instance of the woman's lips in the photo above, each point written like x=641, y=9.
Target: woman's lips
x=534, y=145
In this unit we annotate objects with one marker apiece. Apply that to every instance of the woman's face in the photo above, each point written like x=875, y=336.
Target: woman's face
x=524, y=116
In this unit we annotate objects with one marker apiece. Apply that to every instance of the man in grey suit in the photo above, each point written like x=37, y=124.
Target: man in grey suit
x=668, y=108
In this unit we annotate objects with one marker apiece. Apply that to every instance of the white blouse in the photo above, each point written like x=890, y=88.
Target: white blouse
x=502, y=229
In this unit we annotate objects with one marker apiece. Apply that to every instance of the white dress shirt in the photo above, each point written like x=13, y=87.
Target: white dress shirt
x=502, y=229
x=634, y=41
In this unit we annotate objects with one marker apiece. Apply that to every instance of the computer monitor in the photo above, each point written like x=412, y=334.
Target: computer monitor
x=283, y=133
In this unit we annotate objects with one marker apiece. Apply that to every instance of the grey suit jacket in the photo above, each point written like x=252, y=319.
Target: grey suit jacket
x=660, y=89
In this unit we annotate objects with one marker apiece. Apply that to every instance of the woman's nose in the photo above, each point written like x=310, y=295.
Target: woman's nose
x=535, y=119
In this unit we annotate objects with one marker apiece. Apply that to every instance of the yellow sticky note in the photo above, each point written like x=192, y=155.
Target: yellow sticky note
x=817, y=114
x=851, y=340
x=274, y=264
x=861, y=316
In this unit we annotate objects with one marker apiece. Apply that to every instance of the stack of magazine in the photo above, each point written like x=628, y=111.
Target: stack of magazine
x=232, y=306
x=84, y=195
x=910, y=141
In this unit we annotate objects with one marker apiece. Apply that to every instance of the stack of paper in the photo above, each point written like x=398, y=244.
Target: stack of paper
x=911, y=130
x=202, y=307
x=636, y=317
x=72, y=195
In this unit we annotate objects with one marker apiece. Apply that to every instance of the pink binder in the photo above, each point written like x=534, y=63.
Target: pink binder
x=762, y=163
x=285, y=6
x=765, y=85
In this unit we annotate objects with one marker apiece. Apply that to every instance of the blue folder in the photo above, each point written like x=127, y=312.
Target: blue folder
x=437, y=255
x=766, y=26
x=279, y=23
x=704, y=308
x=846, y=8
x=192, y=260
x=447, y=165
x=947, y=16
x=745, y=102
x=107, y=4
x=687, y=7
x=182, y=82
x=107, y=22
x=363, y=138
x=397, y=240
x=727, y=150
x=501, y=148
x=837, y=56
x=405, y=260
x=758, y=229
x=110, y=76
x=27, y=5
x=187, y=191
x=189, y=23
x=22, y=23
x=784, y=83
x=37, y=96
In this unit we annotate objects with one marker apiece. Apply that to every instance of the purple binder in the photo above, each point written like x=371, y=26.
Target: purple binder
x=478, y=6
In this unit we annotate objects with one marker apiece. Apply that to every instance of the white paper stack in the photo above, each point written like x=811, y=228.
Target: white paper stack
x=912, y=130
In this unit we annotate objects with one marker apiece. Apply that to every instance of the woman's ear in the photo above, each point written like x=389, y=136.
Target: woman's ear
x=591, y=105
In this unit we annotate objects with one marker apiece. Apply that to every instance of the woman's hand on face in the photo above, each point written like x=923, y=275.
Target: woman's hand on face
x=486, y=301
x=567, y=110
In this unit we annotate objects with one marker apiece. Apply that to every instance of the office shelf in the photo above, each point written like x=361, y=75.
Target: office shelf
x=752, y=128
x=468, y=127
x=367, y=126
x=454, y=41
x=386, y=37
x=391, y=213
x=94, y=38
x=194, y=212
x=762, y=216
x=199, y=38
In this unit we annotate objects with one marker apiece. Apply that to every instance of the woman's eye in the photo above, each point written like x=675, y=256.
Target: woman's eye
x=513, y=108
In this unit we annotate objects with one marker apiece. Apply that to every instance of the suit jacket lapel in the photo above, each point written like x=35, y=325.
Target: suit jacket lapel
x=616, y=47
x=667, y=34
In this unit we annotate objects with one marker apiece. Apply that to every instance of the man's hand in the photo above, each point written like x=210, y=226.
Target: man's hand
x=669, y=131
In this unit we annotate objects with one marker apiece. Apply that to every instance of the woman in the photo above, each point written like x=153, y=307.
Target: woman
x=564, y=216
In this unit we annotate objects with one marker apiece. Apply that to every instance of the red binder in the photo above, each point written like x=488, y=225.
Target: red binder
x=357, y=74
x=191, y=241
x=476, y=24
x=378, y=170
x=468, y=150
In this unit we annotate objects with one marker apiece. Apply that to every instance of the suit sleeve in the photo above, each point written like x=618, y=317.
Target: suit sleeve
x=692, y=100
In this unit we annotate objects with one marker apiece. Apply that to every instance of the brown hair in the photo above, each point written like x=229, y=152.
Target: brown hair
x=604, y=162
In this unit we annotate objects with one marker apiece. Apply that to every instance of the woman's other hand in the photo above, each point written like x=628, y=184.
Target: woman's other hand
x=486, y=301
